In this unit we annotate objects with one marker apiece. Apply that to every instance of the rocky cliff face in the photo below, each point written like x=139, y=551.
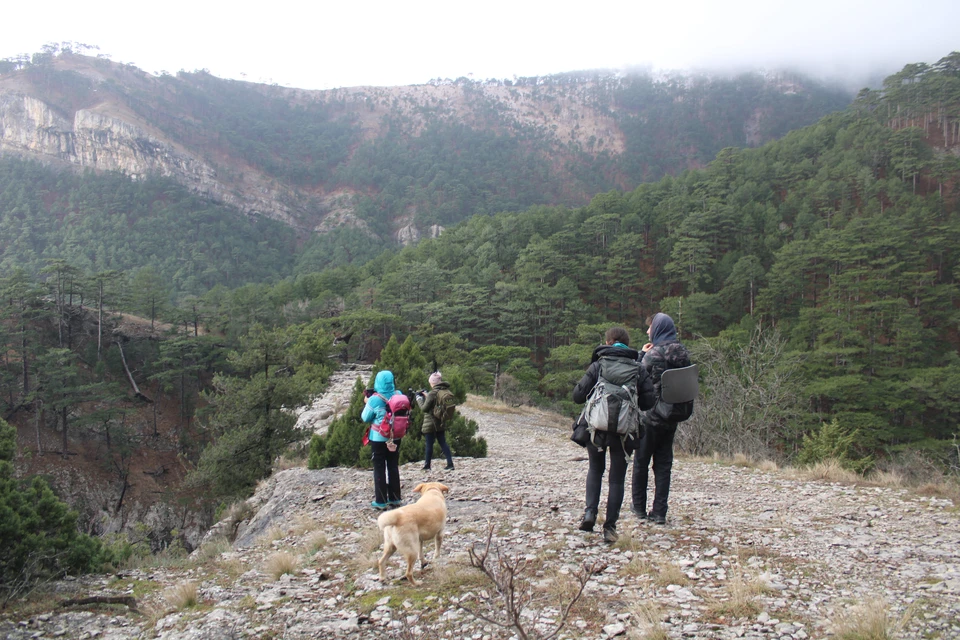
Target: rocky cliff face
x=97, y=139
x=105, y=134
x=216, y=137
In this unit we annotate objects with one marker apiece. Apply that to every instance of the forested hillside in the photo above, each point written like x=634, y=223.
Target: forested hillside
x=107, y=222
x=356, y=170
x=814, y=278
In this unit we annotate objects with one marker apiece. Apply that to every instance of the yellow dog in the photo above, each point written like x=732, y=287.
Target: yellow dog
x=405, y=529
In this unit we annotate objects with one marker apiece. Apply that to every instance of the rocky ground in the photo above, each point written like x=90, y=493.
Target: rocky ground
x=745, y=553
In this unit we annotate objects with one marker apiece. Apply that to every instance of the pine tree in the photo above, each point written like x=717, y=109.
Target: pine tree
x=39, y=533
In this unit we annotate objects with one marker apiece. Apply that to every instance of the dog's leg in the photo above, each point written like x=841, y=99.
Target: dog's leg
x=436, y=552
x=411, y=561
x=423, y=561
x=388, y=549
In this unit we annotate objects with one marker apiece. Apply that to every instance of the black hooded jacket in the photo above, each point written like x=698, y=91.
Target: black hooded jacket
x=666, y=353
x=646, y=394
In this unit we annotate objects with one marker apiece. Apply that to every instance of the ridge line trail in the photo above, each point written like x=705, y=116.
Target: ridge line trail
x=816, y=546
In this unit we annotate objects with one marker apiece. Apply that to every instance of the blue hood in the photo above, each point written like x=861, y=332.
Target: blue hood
x=383, y=383
x=662, y=329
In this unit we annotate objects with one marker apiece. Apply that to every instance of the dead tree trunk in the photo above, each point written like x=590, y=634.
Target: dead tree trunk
x=133, y=383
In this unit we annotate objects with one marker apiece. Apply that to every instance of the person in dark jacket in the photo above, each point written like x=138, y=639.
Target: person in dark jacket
x=663, y=352
x=616, y=360
x=432, y=428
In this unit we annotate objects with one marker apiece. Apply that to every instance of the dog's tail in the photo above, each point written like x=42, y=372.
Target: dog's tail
x=387, y=519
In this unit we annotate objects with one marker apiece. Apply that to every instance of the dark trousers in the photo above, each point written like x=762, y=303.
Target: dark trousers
x=386, y=472
x=618, y=471
x=658, y=445
x=428, y=442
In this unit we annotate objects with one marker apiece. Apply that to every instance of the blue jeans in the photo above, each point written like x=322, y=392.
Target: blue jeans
x=442, y=439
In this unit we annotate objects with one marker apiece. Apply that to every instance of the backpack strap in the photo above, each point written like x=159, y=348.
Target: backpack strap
x=388, y=415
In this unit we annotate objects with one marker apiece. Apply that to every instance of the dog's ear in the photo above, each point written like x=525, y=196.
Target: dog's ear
x=418, y=488
x=444, y=488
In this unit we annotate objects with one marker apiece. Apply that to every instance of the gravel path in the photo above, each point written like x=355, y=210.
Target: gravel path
x=745, y=554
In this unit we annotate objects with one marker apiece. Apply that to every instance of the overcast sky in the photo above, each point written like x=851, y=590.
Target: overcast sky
x=336, y=43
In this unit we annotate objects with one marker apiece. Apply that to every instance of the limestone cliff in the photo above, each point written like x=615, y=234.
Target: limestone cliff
x=420, y=155
x=100, y=138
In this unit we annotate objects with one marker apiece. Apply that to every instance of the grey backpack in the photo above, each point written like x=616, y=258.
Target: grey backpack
x=612, y=403
x=678, y=389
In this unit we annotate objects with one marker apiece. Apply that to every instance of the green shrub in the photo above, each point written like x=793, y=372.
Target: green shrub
x=39, y=533
x=318, y=444
x=833, y=442
x=463, y=440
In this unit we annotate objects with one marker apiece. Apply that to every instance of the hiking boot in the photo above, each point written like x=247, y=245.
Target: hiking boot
x=589, y=519
x=426, y=467
x=380, y=506
x=656, y=518
x=393, y=504
x=640, y=513
x=449, y=467
x=610, y=535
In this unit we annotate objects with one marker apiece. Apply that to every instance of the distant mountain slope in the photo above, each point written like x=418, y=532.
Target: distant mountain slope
x=392, y=160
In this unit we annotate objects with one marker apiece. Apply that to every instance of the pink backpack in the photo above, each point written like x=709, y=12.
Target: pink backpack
x=397, y=420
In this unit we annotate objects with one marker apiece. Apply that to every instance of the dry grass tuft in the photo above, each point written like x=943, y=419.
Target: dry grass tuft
x=316, y=541
x=949, y=490
x=152, y=613
x=829, y=471
x=372, y=539
x=182, y=596
x=768, y=465
x=670, y=574
x=625, y=542
x=650, y=627
x=231, y=568
x=887, y=479
x=742, y=602
x=281, y=563
x=369, y=554
x=211, y=549
x=742, y=460
x=868, y=621
x=234, y=515
x=289, y=461
x=639, y=566
x=560, y=586
x=455, y=577
x=271, y=535
x=483, y=403
x=303, y=525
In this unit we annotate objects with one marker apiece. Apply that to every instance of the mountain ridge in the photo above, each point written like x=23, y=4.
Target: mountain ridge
x=310, y=157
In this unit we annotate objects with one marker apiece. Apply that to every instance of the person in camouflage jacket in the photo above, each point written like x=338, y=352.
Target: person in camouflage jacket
x=433, y=429
x=663, y=352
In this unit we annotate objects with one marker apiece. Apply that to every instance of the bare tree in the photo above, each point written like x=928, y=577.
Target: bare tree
x=506, y=574
x=749, y=400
